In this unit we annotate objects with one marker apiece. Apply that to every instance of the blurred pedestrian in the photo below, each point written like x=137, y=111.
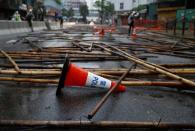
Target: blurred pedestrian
x=29, y=18
x=56, y=16
x=16, y=16
x=116, y=21
x=131, y=24
x=61, y=22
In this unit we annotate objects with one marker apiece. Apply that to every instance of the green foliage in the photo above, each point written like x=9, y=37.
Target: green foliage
x=106, y=8
x=68, y=13
x=59, y=2
x=84, y=11
x=140, y=7
x=109, y=8
x=64, y=12
x=104, y=5
x=99, y=4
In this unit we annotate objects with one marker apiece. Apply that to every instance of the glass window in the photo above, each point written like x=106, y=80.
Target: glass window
x=121, y=5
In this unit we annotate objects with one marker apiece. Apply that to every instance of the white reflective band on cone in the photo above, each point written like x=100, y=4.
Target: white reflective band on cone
x=97, y=81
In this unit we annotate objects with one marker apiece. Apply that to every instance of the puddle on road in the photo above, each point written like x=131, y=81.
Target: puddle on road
x=164, y=59
x=102, y=64
x=56, y=43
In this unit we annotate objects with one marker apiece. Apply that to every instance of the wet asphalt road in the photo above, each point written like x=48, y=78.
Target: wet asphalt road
x=20, y=101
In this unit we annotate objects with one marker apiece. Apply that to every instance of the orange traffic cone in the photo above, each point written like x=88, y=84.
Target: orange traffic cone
x=101, y=32
x=113, y=28
x=134, y=35
x=74, y=76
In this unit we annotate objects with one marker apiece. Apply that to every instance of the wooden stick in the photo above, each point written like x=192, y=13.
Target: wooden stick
x=11, y=61
x=98, y=72
x=174, y=84
x=44, y=81
x=97, y=124
x=103, y=100
x=179, y=65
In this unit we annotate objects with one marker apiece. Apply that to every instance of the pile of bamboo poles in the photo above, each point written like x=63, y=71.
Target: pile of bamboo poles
x=168, y=46
x=40, y=65
x=42, y=62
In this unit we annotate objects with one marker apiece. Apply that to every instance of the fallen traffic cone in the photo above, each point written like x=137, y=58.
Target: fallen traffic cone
x=72, y=76
x=134, y=35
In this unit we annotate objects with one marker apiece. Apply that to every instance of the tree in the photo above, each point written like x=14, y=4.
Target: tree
x=109, y=9
x=100, y=5
x=70, y=13
x=64, y=12
x=84, y=12
x=59, y=2
x=105, y=8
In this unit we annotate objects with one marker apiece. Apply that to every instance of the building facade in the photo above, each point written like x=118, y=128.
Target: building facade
x=93, y=12
x=167, y=9
x=124, y=7
x=75, y=5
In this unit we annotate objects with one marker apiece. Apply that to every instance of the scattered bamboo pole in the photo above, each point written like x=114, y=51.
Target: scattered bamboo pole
x=11, y=61
x=178, y=65
x=81, y=47
x=130, y=84
x=103, y=100
x=151, y=66
x=112, y=72
x=143, y=72
x=30, y=80
x=37, y=56
x=32, y=72
x=100, y=124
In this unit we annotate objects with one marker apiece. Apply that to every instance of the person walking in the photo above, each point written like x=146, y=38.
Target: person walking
x=131, y=24
x=61, y=22
x=29, y=18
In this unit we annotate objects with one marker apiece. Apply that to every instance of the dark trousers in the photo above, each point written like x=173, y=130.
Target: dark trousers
x=130, y=29
x=30, y=25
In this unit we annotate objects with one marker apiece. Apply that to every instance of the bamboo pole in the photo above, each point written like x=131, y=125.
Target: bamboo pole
x=103, y=100
x=44, y=81
x=81, y=47
x=143, y=72
x=31, y=72
x=98, y=72
x=152, y=67
x=11, y=61
x=130, y=84
x=53, y=51
x=37, y=56
x=178, y=65
x=100, y=124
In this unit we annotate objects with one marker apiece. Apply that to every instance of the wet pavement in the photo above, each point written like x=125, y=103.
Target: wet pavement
x=23, y=101
x=136, y=104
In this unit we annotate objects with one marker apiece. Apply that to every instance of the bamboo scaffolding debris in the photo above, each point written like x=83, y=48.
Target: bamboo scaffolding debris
x=106, y=96
x=96, y=71
x=81, y=47
x=44, y=81
x=100, y=124
x=37, y=56
x=11, y=61
x=129, y=84
x=178, y=65
x=150, y=66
